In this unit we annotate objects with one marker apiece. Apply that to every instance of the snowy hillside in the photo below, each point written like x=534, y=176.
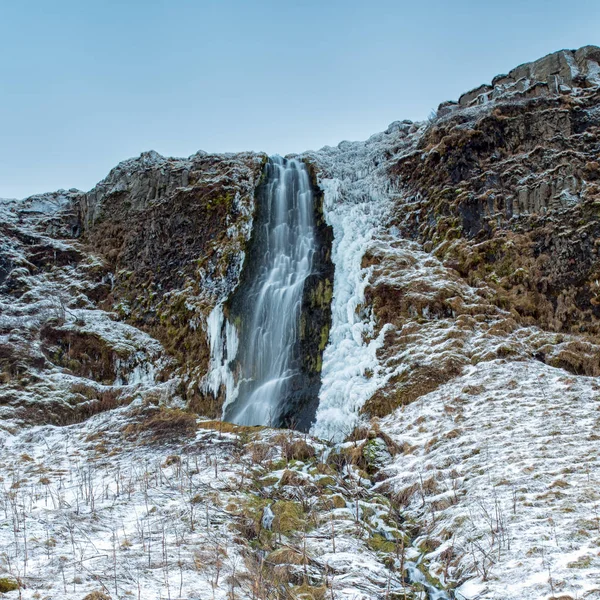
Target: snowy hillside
x=454, y=451
x=501, y=470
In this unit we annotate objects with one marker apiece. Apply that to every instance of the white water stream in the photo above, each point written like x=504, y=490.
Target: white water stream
x=286, y=245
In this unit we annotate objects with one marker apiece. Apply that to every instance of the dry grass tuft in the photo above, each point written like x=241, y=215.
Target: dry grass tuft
x=225, y=427
x=97, y=596
x=162, y=423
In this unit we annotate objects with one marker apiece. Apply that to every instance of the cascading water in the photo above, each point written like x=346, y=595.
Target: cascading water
x=268, y=365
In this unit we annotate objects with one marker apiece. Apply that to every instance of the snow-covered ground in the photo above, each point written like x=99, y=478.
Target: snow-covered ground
x=114, y=505
x=501, y=471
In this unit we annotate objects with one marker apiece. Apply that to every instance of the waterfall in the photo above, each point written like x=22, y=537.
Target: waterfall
x=281, y=259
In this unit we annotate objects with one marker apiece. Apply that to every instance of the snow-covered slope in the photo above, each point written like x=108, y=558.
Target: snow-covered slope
x=501, y=469
x=142, y=502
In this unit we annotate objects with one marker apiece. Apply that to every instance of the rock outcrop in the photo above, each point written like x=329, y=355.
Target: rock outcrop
x=560, y=72
x=153, y=246
x=503, y=191
x=173, y=232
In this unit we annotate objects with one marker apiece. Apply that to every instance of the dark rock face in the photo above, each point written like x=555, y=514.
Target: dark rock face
x=507, y=193
x=173, y=232
x=557, y=72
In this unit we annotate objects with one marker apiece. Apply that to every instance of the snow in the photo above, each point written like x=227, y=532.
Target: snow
x=87, y=507
x=357, y=202
x=470, y=590
x=116, y=524
x=504, y=461
x=350, y=353
x=593, y=72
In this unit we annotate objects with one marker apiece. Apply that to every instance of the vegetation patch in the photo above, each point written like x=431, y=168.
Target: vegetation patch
x=162, y=423
x=8, y=585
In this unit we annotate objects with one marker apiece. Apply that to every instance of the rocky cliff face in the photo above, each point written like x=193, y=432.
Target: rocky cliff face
x=499, y=191
x=503, y=188
x=153, y=246
x=457, y=313
x=173, y=233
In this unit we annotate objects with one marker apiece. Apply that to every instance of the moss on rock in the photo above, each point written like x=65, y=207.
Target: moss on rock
x=289, y=516
x=8, y=585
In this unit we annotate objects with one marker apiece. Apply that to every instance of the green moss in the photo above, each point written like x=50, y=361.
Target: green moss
x=223, y=200
x=325, y=482
x=338, y=501
x=8, y=585
x=277, y=465
x=379, y=544
x=370, y=451
x=252, y=507
x=302, y=327
x=380, y=499
x=324, y=338
x=321, y=295
x=288, y=516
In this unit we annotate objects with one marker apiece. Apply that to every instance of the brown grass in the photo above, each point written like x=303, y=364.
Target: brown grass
x=97, y=596
x=258, y=452
x=404, y=496
x=162, y=423
x=286, y=556
x=97, y=401
x=407, y=387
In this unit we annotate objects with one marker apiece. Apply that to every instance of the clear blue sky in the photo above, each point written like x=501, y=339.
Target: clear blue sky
x=85, y=84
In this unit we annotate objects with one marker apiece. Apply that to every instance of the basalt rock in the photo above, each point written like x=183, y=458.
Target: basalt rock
x=504, y=190
x=173, y=232
x=558, y=72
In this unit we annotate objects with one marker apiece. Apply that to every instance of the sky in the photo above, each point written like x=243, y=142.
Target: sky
x=86, y=84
